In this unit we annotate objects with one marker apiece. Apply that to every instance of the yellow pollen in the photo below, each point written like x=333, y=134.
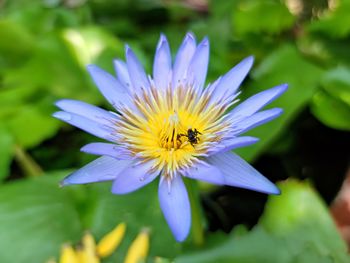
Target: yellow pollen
x=171, y=128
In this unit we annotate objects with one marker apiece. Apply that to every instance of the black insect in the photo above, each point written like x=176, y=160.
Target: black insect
x=192, y=136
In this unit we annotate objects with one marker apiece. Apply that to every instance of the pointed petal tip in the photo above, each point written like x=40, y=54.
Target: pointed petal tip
x=62, y=183
x=118, y=62
x=162, y=38
x=284, y=87
x=268, y=187
x=180, y=237
x=91, y=67
x=62, y=115
x=84, y=148
x=59, y=103
x=162, y=41
x=280, y=89
x=204, y=42
x=249, y=61
x=190, y=35
x=274, y=190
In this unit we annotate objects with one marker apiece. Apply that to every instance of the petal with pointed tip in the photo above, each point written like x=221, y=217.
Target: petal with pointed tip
x=256, y=102
x=239, y=173
x=183, y=58
x=108, y=149
x=121, y=70
x=230, y=82
x=109, y=86
x=86, y=110
x=104, y=168
x=256, y=119
x=134, y=177
x=95, y=128
x=162, y=64
x=136, y=71
x=233, y=143
x=205, y=172
x=174, y=202
x=199, y=63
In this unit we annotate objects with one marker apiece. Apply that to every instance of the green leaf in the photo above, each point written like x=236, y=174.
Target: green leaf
x=88, y=44
x=11, y=33
x=6, y=151
x=283, y=65
x=261, y=16
x=336, y=82
x=36, y=218
x=331, y=111
x=301, y=218
x=295, y=227
x=32, y=125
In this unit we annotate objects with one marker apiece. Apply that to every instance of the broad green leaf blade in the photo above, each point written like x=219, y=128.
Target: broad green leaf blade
x=302, y=220
x=36, y=218
x=336, y=82
x=32, y=125
x=331, y=111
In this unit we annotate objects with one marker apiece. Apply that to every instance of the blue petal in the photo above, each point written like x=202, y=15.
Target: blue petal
x=108, y=149
x=233, y=143
x=205, y=172
x=162, y=64
x=121, y=70
x=136, y=71
x=95, y=128
x=199, y=63
x=86, y=110
x=256, y=102
x=257, y=119
x=102, y=169
x=109, y=86
x=175, y=205
x=230, y=82
x=239, y=173
x=183, y=58
x=133, y=178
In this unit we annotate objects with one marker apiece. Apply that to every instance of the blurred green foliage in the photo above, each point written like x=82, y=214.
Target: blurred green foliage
x=44, y=48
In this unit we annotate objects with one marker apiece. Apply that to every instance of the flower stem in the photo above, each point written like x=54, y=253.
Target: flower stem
x=27, y=163
x=197, y=223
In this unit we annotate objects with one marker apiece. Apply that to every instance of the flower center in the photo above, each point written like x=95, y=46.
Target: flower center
x=170, y=128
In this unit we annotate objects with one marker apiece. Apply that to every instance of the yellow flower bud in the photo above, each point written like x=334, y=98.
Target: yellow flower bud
x=68, y=255
x=87, y=253
x=138, y=250
x=111, y=241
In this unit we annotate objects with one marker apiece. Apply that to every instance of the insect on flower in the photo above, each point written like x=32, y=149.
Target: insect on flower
x=170, y=126
x=192, y=136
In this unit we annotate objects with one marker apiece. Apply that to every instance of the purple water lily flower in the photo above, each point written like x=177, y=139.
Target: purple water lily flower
x=170, y=126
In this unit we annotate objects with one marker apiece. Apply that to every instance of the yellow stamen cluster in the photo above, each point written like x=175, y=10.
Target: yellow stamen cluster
x=159, y=128
x=90, y=252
